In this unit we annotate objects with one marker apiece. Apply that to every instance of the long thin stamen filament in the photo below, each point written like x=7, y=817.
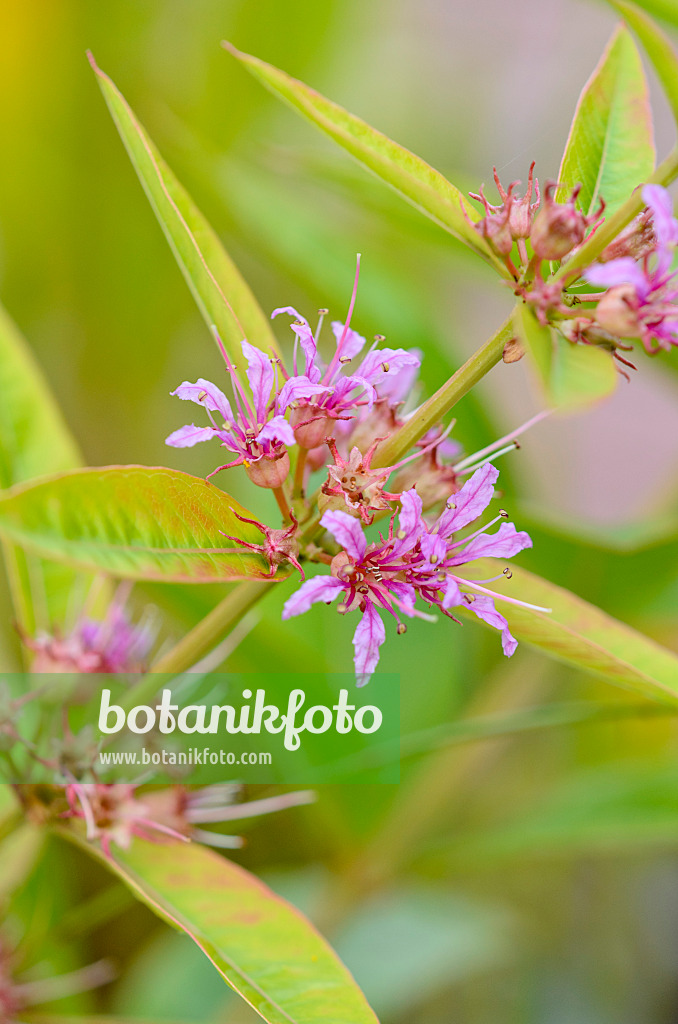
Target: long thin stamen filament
x=335, y=358
x=470, y=459
x=501, y=597
x=489, y=458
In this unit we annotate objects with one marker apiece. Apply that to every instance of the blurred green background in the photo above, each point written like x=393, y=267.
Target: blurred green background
x=531, y=877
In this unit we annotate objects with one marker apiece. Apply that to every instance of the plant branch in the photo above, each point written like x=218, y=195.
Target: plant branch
x=430, y=413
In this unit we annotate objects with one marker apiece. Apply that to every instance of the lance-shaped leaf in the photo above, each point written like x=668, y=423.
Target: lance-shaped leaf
x=262, y=946
x=658, y=47
x=223, y=296
x=34, y=440
x=610, y=149
x=572, y=376
x=580, y=634
x=407, y=173
x=134, y=522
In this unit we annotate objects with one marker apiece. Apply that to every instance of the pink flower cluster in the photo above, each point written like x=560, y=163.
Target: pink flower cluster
x=417, y=559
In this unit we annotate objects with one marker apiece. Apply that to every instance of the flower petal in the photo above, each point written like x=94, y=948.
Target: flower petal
x=320, y=588
x=291, y=311
x=203, y=392
x=277, y=429
x=453, y=595
x=470, y=501
x=341, y=399
x=397, y=386
x=186, y=437
x=505, y=543
x=347, y=532
x=353, y=342
x=367, y=639
x=616, y=272
x=297, y=388
x=260, y=376
x=410, y=523
x=664, y=223
x=386, y=362
x=484, y=608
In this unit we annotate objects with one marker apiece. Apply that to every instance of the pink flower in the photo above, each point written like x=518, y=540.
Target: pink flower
x=640, y=302
x=113, y=644
x=416, y=560
x=257, y=434
x=319, y=394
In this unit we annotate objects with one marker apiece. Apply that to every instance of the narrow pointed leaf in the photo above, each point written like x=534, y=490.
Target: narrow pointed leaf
x=572, y=376
x=407, y=173
x=610, y=149
x=222, y=295
x=658, y=47
x=134, y=522
x=262, y=946
x=34, y=440
x=580, y=634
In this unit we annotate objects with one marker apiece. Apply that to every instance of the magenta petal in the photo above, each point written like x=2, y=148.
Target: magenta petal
x=396, y=387
x=410, y=523
x=297, y=388
x=616, y=272
x=665, y=226
x=484, y=608
x=453, y=595
x=367, y=639
x=277, y=429
x=508, y=642
x=353, y=342
x=203, y=392
x=347, y=532
x=320, y=588
x=344, y=388
x=470, y=501
x=505, y=543
x=186, y=437
x=386, y=362
x=291, y=311
x=260, y=376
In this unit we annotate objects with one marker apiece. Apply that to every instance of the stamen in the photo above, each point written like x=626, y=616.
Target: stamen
x=423, y=451
x=401, y=628
x=502, y=440
x=379, y=337
x=333, y=364
x=502, y=597
x=466, y=468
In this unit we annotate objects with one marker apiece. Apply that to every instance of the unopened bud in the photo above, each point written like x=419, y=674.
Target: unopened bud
x=617, y=312
x=559, y=227
x=269, y=472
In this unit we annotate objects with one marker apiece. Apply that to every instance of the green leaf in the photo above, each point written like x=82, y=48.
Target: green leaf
x=580, y=634
x=18, y=853
x=408, y=174
x=134, y=522
x=261, y=945
x=658, y=47
x=34, y=440
x=610, y=148
x=572, y=376
x=223, y=296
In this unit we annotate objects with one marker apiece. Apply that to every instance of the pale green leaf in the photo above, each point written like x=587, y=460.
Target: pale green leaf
x=407, y=173
x=223, y=296
x=580, y=634
x=658, y=47
x=610, y=149
x=261, y=945
x=134, y=522
x=571, y=376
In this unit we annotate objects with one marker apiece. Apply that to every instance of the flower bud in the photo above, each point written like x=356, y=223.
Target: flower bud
x=310, y=425
x=269, y=472
x=559, y=227
x=617, y=312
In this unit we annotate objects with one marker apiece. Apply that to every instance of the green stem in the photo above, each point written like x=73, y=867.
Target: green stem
x=282, y=503
x=611, y=227
x=298, y=491
x=199, y=640
x=430, y=413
